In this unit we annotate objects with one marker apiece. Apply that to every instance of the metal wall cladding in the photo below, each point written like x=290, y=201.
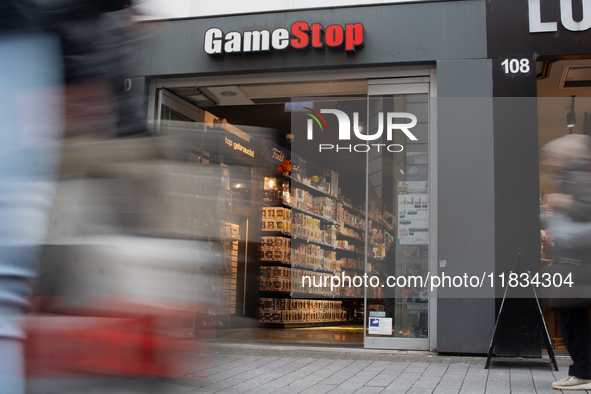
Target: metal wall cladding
x=400, y=33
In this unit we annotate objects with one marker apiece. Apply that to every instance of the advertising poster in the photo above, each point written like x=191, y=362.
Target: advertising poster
x=277, y=154
x=380, y=326
x=413, y=213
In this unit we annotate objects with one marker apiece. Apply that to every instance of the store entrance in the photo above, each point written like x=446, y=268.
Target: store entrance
x=333, y=213
x=564, y=107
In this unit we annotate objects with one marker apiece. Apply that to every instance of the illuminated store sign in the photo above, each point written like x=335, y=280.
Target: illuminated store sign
x=566, y=17
x=301, y=36
x=237, y=146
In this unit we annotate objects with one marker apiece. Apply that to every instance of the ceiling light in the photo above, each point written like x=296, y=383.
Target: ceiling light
x=571, y=119
x=228, y=93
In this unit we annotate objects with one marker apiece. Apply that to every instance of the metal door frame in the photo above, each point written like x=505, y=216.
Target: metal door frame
x=428, y=86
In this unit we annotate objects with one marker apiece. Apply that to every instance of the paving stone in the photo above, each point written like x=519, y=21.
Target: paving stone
x=344, y=374
x=237, y=370
x=439, y=390
x=295, y=388
x=294, y=370
x=221, y=385
x=420, y=391
x=369, y=390
x=380, y=381
x=319, y=389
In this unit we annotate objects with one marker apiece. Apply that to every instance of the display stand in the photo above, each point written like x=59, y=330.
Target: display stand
x=500, y=320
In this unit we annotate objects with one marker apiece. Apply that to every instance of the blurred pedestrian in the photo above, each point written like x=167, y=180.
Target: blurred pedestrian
x=31, y=75
x=569, y=156
x=32, y=72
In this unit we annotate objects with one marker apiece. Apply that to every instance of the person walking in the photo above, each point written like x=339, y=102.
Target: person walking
x=569, y=156
x=34, y=65
x=31, y=74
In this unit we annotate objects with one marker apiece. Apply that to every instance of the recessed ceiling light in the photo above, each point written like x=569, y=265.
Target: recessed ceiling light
x=228, y=93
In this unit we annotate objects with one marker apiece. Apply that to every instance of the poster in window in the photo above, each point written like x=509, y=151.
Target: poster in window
x=413, y=213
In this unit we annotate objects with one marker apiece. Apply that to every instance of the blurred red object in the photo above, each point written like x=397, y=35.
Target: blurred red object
x=110, y=338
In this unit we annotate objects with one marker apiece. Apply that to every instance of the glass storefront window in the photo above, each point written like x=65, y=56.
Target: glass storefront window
x=398, y=209
x=379, y=147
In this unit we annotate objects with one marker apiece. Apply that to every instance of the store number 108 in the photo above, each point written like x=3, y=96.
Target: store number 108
x=515, y=66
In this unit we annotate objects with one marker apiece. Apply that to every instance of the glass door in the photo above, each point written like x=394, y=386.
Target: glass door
x=398, y=197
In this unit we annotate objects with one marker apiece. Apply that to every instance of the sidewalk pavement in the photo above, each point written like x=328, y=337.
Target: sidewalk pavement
x=260, y=369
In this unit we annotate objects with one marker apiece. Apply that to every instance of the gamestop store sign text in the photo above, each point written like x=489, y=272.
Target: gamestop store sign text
x=301, y=36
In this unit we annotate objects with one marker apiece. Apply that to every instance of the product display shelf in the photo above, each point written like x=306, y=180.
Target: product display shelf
x=275, y=294
x=267, y=263
x=312, y=241
x=313, y=215
x=316, y=296
x=271, y=263
x=296, y=209
x=375, y=259
x=353, y=210
x=349, y=238
x=349, y=251
x=354, y=227
x=294, y=184
x=361, y=270
x=303, y=296
x=275, y=204
x=275, y=233
x=314, y=324
x=381, y=223
x=308, y=186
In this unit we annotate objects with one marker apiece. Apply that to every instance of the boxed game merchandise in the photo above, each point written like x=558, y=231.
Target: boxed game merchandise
x=324, y=206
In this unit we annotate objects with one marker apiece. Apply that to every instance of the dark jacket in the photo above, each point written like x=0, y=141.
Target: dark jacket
x=11, y=16
x=572, y=265
x=577, y=182
x=46, y=14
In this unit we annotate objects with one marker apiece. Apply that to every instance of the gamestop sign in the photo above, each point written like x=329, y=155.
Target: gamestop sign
x=301, y=36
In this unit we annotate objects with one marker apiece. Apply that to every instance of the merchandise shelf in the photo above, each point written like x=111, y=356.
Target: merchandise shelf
x=353, y=210
x=314, y=215
x=312, y=324
x=304, y=239
x=266, y=263
x=381, y=223
x=354, y=228
x=286, y=205
x=349, y=238
x=309, y=187
x=349, y=251
x=305, y=296
x=353, y=269
x=375, y=259
x=275, y=233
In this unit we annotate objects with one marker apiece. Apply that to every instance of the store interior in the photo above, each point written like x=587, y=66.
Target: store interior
x=326, y=230
x=564, y=107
